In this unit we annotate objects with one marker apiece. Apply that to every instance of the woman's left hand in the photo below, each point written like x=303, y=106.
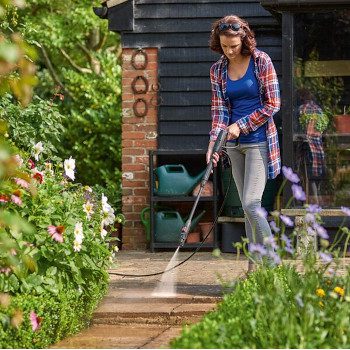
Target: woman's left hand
x=233, y=131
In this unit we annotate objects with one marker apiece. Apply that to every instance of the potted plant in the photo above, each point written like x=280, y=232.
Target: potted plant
x=342, y=122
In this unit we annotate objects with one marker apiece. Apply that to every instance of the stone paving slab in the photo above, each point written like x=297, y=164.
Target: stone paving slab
x=113, y=336
x=163, y=339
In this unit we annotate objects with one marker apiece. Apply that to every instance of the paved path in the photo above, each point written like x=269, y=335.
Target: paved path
x=130, y=317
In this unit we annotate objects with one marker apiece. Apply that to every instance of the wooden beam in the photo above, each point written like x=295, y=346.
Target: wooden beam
x=112, y=3
x=335, y=68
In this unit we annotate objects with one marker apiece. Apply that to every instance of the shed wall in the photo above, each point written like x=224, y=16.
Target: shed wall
x=180, y=30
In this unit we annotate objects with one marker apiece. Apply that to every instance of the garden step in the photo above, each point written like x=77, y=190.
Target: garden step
x=150, y=312
x=121, y=336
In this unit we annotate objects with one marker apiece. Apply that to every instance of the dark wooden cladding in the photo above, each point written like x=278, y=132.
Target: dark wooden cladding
x=185, y=127
x=228, y=2
x=185, y=84
x=202, y=54
x=183, y=113
x=204, y=10
x=169, y=25
x=180, y=30
x=189, y=69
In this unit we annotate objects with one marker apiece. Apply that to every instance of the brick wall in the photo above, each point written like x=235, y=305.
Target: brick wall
x=139, y=135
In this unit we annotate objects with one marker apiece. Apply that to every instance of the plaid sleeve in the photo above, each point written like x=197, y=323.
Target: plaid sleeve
x=219, y=110
x=271, y=98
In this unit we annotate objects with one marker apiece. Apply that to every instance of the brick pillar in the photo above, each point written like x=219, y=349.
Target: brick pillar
x=139, y=135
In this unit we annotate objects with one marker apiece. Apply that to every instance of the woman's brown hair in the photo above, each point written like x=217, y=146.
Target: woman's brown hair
x=247, y=35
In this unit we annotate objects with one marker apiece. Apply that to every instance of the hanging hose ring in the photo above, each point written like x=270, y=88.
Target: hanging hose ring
x=156, y=101
x=142, y=65
x=136, y=108
x=155, y=87
x=139, y=91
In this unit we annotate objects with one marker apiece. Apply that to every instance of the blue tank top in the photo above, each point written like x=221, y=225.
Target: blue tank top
x=244, y=99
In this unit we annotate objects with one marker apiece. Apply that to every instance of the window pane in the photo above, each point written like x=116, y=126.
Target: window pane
x=321, y=123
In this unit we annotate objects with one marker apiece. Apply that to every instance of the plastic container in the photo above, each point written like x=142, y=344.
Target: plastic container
x=168, y=225
x=233, y=205
x=174, y=180
x=231, y=232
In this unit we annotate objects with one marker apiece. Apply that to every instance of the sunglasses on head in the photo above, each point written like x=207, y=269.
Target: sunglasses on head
x=233, y=26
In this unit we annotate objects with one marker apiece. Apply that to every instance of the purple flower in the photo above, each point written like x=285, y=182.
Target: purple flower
x=274, y=226
x=257, y=248
x=345, y=210
x=270, y=241
x=313, y=208
x=288, y=248
x=321, y=231
x=261, y=212
x=326, y=258
x=289, y=175
x=310, y=218
x=298, y=193
x=311, y=231
x=275, y=257
x=287, y=220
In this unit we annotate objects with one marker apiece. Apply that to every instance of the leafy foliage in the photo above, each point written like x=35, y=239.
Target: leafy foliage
x=63, y=314
x=80, y=63
x=39, y=121
x=275, y=308
x=17, y=70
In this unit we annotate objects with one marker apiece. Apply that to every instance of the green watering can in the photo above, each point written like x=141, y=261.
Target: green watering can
x=145, y=213
x=174, y=180
x=168, y=225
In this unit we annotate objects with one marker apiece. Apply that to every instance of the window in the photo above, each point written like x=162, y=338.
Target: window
x=321, y=106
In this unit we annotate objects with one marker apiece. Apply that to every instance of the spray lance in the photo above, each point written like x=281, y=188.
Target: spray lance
x=216, y=149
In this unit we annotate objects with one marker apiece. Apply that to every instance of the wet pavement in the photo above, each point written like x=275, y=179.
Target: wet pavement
x=131, y=317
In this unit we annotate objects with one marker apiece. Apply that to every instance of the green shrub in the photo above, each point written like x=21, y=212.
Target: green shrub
x=276, y=308
x=62, y=315
x=39, y=121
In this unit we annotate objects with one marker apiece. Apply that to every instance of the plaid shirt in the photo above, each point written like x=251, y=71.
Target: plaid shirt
x=269, y=98
x=314, y=139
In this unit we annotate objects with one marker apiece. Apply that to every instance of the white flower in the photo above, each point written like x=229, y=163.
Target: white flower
x=107, y=211
x=78, y=232
x=103, y=232
x=88, y=209
x=116, y=249
x=76, y=246
x=38, y=148
x=108, y=217
x=69, y=167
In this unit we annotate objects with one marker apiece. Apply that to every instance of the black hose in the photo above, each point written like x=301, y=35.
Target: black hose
x=193, y=253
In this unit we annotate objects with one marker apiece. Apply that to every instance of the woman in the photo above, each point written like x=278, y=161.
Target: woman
x=245, y=96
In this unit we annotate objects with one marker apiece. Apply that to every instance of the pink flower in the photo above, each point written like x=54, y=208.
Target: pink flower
x=21, y=182
x=56, y=232
x=35, y=321
x=18, y=159
x=16, y=197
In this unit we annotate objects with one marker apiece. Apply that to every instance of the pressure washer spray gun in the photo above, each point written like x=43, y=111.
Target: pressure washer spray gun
x=217, y=148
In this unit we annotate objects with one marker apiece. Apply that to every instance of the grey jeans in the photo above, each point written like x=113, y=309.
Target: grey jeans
x=249, y=171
